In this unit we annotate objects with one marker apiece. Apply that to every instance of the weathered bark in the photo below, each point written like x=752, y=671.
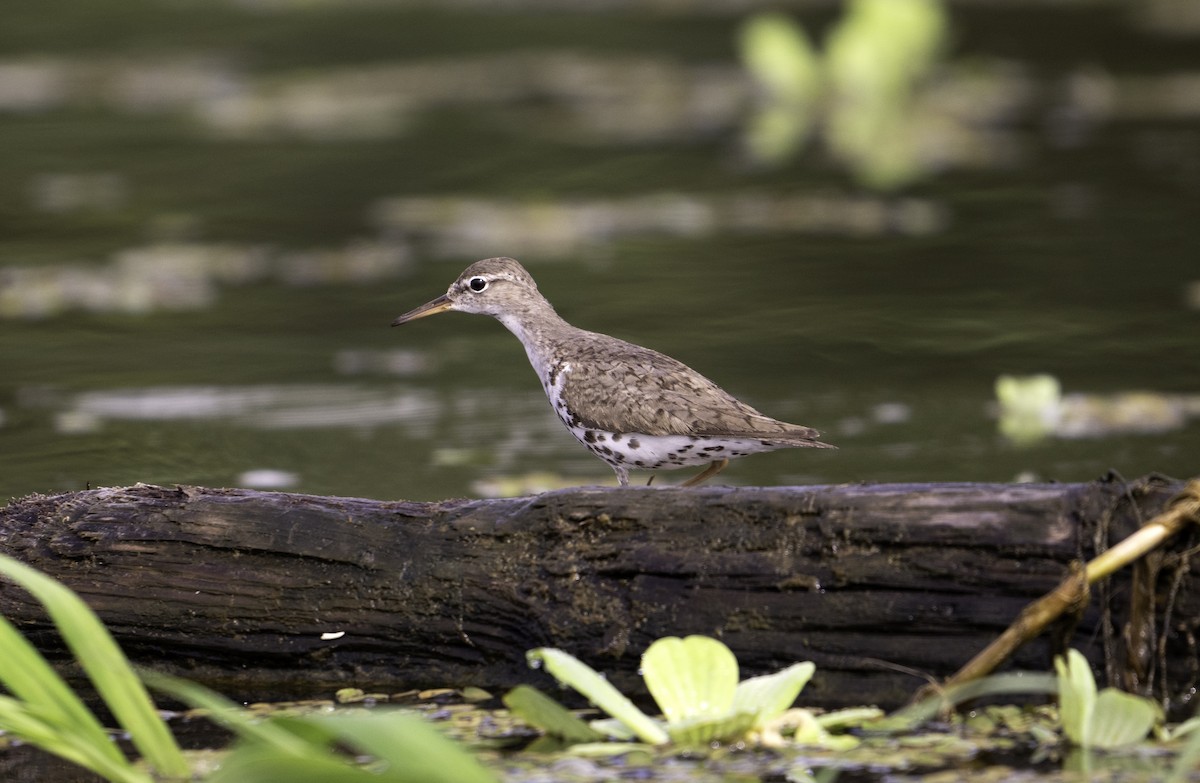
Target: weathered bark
x=235, y=588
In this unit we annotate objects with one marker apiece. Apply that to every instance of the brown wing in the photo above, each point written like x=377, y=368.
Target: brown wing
x=622, y=387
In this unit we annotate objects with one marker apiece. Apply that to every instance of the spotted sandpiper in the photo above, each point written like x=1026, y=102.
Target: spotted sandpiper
x=630, y=406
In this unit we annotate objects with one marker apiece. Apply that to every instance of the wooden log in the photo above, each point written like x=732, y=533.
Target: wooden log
x=879, y=585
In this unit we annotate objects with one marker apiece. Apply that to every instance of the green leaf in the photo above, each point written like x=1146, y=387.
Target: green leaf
x=1076, y=696
x=1189, y=756
x=27, y=675
x=779, y=55
x=811, y=732
x=22, y=721
x=299, y=749
x=613, y=728
x=231, y=716
x=107, y=668
x=770, y=695
x=851, y=717
x=914, y=715
x=412, y=750
x=706, y=729
x=538, y=709
x=256, y=763
x=1029, y=406
x=695, y=677
x=1107, y=720
x=571, y=671
x=1120, y=719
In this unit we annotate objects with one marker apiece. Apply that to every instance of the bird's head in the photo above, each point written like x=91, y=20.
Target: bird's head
x=494, y=286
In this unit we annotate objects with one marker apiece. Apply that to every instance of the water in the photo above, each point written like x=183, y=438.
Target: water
x=215, y=214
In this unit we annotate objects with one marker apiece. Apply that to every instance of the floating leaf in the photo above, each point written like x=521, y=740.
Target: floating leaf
x=538, y=709
x=694, y=681
x=704, y=730
x=810, y=731
x=1030, y=406
x=770, y=695
x=1076, y=695
x=689, y=678
x=1121, y=719
x=779, y=55
x=1106, y=720
x=599, y=691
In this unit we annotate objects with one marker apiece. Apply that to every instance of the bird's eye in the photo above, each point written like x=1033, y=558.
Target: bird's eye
x=477, y=284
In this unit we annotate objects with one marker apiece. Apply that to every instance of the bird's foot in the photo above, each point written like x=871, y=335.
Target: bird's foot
x=712, y=470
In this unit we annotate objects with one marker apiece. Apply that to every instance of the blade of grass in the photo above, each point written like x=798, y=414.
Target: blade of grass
x=106, y=666
x=414, y=751
x=27, y=676
x=993, y=685
x=255, y=763
x=231, y=716
x=24, y=723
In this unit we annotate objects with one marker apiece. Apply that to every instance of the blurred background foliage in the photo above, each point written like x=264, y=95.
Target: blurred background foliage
x=958, y=238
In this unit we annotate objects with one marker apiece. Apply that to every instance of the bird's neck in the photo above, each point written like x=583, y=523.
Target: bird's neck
x=538, y=327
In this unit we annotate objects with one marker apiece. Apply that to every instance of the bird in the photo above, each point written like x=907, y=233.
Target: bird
x=632, y=407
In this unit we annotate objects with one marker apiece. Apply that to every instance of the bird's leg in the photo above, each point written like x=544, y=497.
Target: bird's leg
x=622, y=475
x=706, y=474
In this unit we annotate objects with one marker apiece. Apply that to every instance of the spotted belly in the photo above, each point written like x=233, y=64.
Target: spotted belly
x=626, y=451
x=633, y=450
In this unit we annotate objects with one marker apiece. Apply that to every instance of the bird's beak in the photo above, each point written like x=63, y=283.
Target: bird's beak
x=439, y=305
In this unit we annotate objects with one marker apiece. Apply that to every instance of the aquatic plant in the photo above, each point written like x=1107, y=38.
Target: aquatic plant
x=693, y=680
x=43, y=711
x=866, y=88
x=402, y=746
x=1108, y=719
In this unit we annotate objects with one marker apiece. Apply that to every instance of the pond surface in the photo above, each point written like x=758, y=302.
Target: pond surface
x=210, y=214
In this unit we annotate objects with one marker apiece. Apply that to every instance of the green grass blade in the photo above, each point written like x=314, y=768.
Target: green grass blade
x=413, y=750
x=994, y=685
x=229, y=715
x=23, y=722
x=19, y=721
x=106, y=666
x=27, y=676
x=256, y=763
x=297, y=749
x=1188, y=760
